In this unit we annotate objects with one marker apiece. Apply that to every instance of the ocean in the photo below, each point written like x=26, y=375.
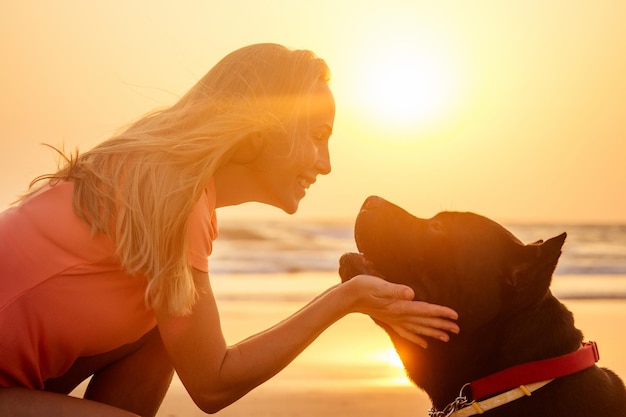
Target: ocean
x=593, y=263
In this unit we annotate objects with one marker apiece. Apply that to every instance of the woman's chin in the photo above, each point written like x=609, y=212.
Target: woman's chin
x=290, y=207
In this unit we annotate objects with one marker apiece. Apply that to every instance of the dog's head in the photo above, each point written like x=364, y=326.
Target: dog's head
x=461, y=260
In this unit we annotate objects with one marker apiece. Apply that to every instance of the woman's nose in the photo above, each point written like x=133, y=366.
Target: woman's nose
x=323, y=162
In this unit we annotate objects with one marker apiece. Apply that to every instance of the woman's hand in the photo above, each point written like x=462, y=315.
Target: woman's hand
x=392, y=305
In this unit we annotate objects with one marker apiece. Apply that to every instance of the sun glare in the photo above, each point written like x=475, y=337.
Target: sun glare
x=396, y=373
x=389, y=356
x=406, y=87
x=406, y=82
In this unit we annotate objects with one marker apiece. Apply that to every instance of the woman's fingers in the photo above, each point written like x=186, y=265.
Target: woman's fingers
x=401, y=292
x=433, y=315
x=432, y=325
x=419, y=334
x=414, y=320
x=426, y=320
x=435, y=310
x=414, y=338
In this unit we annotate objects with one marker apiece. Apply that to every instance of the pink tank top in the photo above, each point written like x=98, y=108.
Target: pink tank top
x=63, y=294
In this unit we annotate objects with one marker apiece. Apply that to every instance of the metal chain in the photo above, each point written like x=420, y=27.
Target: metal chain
x=457, y=404
x=460, y=402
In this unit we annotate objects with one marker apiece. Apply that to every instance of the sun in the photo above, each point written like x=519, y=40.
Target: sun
x=406, y=87
x=405, y=83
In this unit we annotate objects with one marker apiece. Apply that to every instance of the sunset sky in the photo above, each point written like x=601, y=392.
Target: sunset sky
x=513, y=109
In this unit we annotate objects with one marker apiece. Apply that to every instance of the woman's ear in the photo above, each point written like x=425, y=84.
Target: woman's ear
x=248, y=149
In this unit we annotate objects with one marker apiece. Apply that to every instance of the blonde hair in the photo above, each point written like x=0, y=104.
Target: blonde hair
x=140, y=186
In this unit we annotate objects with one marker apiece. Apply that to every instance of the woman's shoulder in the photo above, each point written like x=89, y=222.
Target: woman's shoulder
x=47, y=216
x=50, y=203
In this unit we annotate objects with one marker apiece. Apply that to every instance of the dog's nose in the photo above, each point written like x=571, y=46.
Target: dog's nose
x=372, y=202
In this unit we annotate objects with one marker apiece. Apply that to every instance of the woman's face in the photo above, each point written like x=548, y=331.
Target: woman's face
x=285, y=180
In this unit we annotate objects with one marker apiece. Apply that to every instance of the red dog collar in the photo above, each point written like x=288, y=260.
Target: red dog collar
x=536, y=371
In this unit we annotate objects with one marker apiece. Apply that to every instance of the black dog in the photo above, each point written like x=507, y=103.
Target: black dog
x=515, y=334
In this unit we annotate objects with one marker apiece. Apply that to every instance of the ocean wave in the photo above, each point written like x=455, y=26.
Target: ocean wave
x=279, y=247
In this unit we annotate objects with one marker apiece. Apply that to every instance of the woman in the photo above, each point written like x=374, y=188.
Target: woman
x=104, y=271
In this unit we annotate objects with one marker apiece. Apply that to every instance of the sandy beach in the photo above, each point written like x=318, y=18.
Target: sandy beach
x=350, y=369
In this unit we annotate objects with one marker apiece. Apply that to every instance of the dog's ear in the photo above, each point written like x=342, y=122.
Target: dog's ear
x=534, y=265
x=551, y=250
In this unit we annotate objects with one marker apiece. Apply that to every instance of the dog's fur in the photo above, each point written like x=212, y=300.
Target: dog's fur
x=500, y=288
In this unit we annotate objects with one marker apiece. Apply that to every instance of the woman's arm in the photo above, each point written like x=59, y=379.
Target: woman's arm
x=216, y=375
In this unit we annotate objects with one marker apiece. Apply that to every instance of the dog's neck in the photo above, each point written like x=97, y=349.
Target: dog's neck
x=522, y=343
x=446, y=369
